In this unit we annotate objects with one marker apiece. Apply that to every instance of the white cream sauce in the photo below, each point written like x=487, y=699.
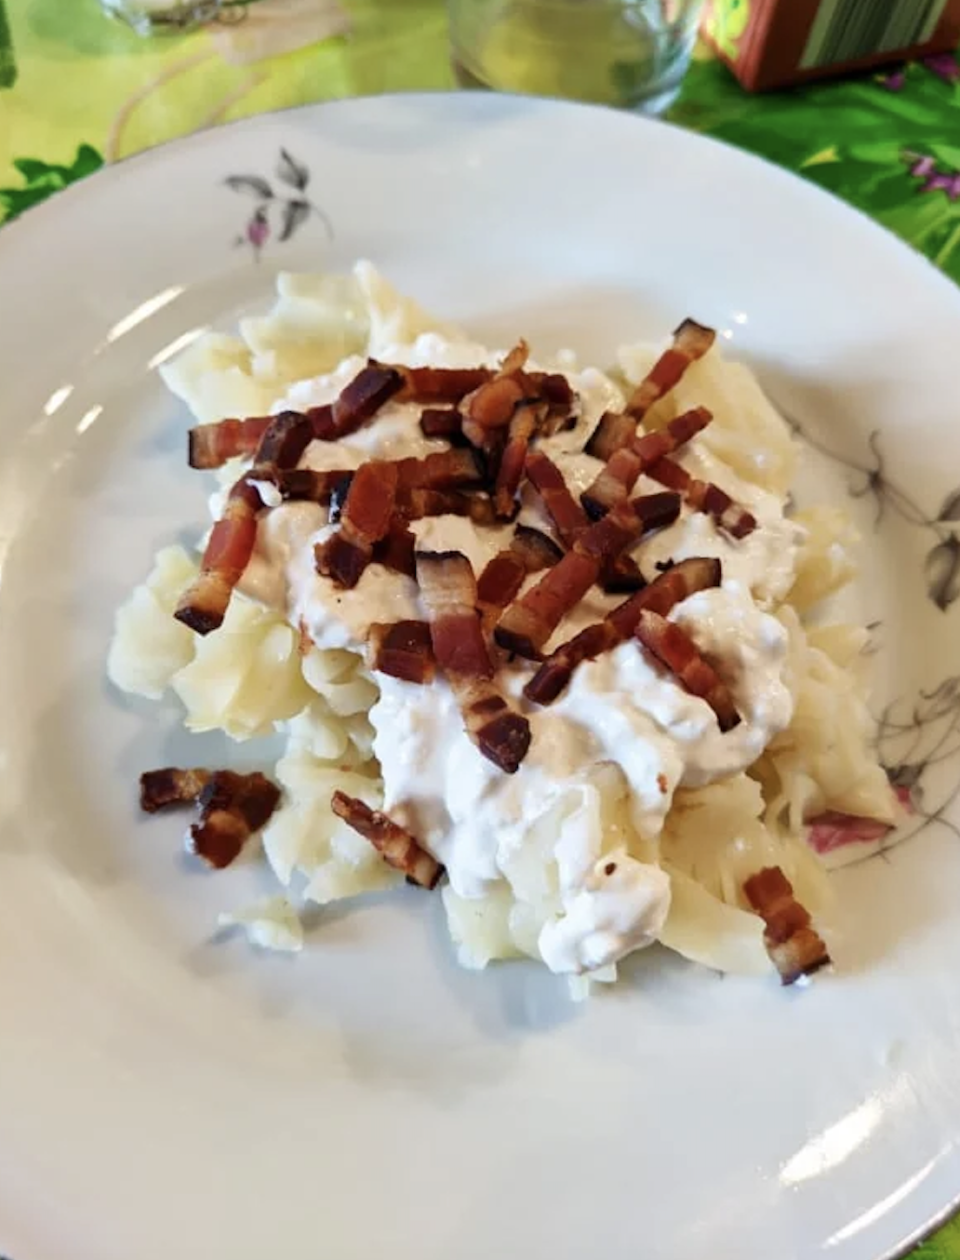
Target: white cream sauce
x=621, y=710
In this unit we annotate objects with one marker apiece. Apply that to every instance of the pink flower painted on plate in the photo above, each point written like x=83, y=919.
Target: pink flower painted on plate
x=281, y=209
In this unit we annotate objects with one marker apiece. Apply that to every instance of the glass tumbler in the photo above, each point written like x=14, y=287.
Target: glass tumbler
x=631, y=53
x=152, y=16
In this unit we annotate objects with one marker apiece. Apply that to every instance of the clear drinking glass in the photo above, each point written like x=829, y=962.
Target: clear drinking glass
x=152, y=16
x=631, y=53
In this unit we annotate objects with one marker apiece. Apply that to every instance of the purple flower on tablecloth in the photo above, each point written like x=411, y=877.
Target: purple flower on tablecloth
x=923, y=167
x=277, y=214
x=945, y=66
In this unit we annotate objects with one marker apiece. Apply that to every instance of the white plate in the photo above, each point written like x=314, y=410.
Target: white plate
x=165, y=1093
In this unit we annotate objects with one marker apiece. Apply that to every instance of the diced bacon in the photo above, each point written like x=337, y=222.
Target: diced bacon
x=203, y=605
x=563, y=509
x=691, y=341
x=705, y=497
x=664, y=593
x=314, y=487
x=366, y=519
x=614, y=429
x=359, y=401
x=674, y=649
x=449, y=592
x=402, y=649
x=211, y=445
x=529, y=622
x=285, y=439
x=832, y=830
x=441, y=422
x=530, y=551
x=433, y=385
x=232, y=807
x=794, y=946
x=618, y=477
x=396, y=550
x=163, y=789
x=524, y=423
x=412, y=505
x=442, y=470
x=394, y=844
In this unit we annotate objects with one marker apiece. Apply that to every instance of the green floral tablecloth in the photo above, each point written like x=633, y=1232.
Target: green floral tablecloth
x=78, y=90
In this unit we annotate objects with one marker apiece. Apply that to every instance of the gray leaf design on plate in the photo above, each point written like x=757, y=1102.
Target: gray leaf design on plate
x=292, y=172
x=951, y=507
x=294, y=213
x=943, y=572
x=252, y=184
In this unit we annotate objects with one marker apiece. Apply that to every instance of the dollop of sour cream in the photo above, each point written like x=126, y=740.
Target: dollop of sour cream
x=623, y=718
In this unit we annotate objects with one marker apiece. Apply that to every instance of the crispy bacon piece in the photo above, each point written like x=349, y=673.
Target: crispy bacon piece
x=203, y=605
x=394, y=844
x=306, y=484
x=449, y=592
x=569, y=518
x=284, y=440
x=402, y=649
x=530, y=551
x=705, y=497
x=232, y=807
x=441, y=422
x=618, y=477
x=211, y=445
x=529, y=622
x=443, y=470
x=489, y=410
x=674, y=649
x=372, y=387
x=614, y=429
x=397, y=549
x=524, y=423
x=412, y=505
x=792, y=942
x=164, y=789
x=433, y=385
x=669, y=589
x=366, y=518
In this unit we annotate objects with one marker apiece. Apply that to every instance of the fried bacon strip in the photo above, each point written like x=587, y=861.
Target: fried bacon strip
x=705, y=497
x=397, y=549
x=619, y=573
x=666, y=591
x=524, y=423
x=203, y=605
x=432, y=385
x=394, y=844
x=211, y=445
x=675, y=650
x=412, y=505
x=306, y=484
x=619, y=475
x=529, y=622
x=691, y=341
x=232, y=807
x=402, y=649
x=443, y=470
x=441, y=422
x=366, y=518
x=489, y=410
x=794, y=946
x=372, y=387
x=167, y=788
x=449, y=592
x=568, y=516
x=499, y=584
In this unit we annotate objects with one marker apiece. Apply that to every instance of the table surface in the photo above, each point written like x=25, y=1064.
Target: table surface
x=78, y=90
